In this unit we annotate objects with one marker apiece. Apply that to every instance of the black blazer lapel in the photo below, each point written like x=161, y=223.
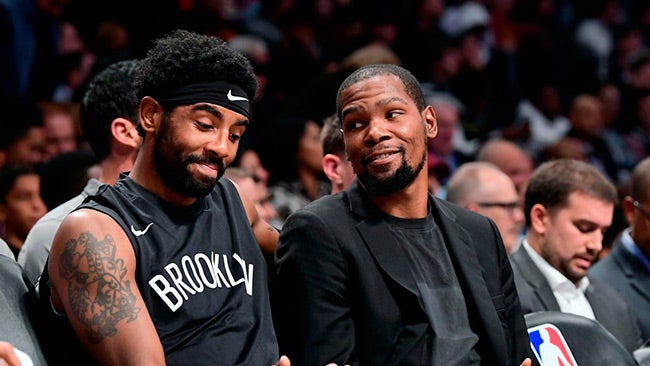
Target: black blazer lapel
x=469, y=272
x=380, y=241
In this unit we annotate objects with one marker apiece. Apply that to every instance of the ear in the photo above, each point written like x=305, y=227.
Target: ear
x=125, y=132
x=150, y=113
x=539, y=217
x=330, y=168
x=628, y=209
x=430, y=122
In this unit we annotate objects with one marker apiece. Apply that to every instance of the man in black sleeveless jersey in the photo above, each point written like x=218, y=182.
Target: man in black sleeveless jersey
x=163, y=267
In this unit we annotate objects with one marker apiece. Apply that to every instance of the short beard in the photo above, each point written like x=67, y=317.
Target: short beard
x=403, y=177
x=172, y=167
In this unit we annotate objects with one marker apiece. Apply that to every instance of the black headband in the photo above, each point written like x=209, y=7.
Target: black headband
x=225, y=94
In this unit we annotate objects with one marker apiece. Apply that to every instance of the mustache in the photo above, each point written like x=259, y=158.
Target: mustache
x=365, y=160
x=207, y=160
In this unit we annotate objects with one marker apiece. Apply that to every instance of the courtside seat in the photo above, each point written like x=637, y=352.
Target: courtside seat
x=560, y=335
x=17, y=306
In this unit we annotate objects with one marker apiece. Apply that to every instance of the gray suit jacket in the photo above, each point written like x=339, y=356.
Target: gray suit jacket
x=344, y=291
x=625, y=273
x=535, y=294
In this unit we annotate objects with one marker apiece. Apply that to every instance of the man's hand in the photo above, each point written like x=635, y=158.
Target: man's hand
x=7, y=355
x=283, y=361
x=527, y=362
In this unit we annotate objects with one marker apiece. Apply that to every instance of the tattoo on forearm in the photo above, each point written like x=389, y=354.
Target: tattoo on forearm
x=99, y=295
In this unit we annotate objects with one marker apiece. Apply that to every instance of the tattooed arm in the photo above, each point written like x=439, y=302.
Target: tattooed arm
x=92, y=268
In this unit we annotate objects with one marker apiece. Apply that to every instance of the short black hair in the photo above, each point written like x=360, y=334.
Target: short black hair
x=9, y=174
x=18, y=117
x=411, y=84
x=184, y=57
x=111, y=94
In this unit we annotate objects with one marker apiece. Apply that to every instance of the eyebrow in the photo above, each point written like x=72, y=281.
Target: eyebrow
x=217, y=113
x=381, y=102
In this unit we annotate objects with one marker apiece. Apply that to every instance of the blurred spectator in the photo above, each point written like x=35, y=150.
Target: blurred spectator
x=255, y=190
x=637, y=141
x=588, y=126
x=627, y=268
x=594, y=34
x=77, y=63
x=539, y=120
x=64, y=176
x=28, y=42
x=439, y=172
x=22, y=139
x=59, y=128
x=20, y=203
x=510, y=158
x=336, y=165
x=109, y=122
x=450, y=139
x=295, y=165
x=483, y=188
x=565, y=148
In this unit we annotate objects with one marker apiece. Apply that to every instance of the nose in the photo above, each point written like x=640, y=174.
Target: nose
x=595, y=242
x=376, y=132
x=518, y=215
x=219, y=145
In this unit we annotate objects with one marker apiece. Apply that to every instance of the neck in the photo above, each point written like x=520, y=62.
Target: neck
x=112, y=166
x=409, y=203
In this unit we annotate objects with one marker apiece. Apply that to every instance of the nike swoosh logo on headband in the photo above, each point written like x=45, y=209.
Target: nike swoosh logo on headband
x=235, y=98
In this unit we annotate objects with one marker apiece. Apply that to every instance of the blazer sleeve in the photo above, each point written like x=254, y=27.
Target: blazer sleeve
x=309, y=294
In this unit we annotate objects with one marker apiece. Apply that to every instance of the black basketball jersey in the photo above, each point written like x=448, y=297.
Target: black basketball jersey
x=200, y=272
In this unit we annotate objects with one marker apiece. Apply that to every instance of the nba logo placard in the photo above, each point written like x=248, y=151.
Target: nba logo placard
x=550, y=347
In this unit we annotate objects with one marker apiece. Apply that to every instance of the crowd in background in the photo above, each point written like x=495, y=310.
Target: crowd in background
x=556, y=78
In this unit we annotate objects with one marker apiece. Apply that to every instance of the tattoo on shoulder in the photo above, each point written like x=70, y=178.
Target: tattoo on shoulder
x=99, y=295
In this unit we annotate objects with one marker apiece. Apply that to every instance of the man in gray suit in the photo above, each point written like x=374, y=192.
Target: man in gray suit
x=568, y=205
x=627, y=268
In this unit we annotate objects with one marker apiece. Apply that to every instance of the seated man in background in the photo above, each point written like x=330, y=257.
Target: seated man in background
x=483, y=188
x=336, y=165
x=568, y=205
x=627, y=268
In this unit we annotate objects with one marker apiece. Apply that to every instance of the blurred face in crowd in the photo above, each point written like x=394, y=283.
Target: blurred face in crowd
x=27, y=150
x=310, y=150
x=23, y=205
x=447, y=119
x=250, y=161
x=498, y=199
x=59, y=134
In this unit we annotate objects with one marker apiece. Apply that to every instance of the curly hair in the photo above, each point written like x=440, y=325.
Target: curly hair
x=184, y=58
x=110, y=95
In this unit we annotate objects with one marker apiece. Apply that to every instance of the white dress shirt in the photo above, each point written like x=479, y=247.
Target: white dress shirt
x=570, y=297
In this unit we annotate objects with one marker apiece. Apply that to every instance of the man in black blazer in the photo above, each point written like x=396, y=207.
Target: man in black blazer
x=384, y=273
x=627, y=268
x=568, y=205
